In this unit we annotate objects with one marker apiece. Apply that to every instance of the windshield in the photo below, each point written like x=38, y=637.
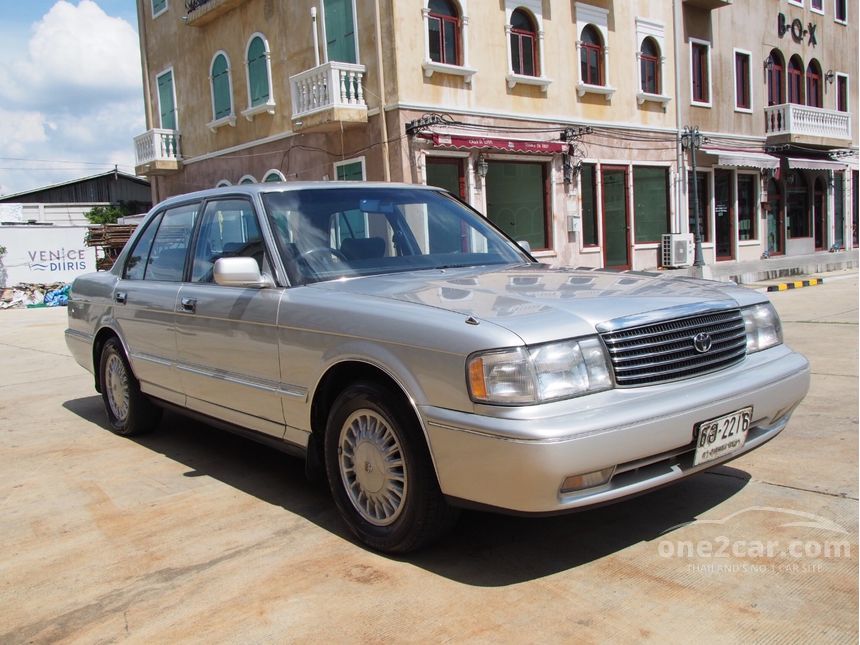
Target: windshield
x=330, y=233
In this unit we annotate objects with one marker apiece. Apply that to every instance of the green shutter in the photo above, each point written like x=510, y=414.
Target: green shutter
x=650, y=203
x=516, y=202
x=589, y=205
x=221, y=87
x=166, y=106
x=340, y=31
x=258, y=72
x=350, y=172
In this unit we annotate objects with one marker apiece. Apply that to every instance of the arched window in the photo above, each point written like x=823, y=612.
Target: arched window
x=649, y=66
x=813, y=84
x=591, y=57
x=223, y=183
x=795, y=80
x=273, y=176
x=247, y=179
x=523, y=44
x=259, y=78
x=222, y=104
x=443, y=32
x=775, y=78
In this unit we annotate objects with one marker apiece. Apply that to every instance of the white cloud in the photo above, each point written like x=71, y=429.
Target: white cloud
x=72, y=95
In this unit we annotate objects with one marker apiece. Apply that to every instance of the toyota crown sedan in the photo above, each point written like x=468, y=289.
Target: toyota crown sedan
x=422, y=361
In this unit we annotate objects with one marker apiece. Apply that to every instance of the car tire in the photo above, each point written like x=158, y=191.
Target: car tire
x=129, y=411
x=380, y=472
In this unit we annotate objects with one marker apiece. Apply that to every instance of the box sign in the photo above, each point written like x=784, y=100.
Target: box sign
x=44, y=254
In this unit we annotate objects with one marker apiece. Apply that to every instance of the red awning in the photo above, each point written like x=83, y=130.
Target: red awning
x=511, y=145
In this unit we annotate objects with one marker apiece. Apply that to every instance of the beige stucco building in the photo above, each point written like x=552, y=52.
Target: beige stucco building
x=560, y=121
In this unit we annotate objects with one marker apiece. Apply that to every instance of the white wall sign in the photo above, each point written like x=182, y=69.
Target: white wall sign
x=44, y=254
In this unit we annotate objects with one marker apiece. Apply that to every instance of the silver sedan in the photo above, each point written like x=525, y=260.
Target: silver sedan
x=421, y=360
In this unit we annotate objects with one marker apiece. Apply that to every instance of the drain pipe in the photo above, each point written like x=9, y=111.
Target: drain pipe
x=681, y=192
x=380, y=77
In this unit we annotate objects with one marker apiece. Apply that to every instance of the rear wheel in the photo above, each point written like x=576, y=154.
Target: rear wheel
x=380, y=472
x=129, y=411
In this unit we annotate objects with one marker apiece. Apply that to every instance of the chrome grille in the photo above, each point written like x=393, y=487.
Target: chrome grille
x=664, y=351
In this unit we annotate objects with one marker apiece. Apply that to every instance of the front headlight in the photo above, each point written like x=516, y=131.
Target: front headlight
x=538, y=374
x=762, y=327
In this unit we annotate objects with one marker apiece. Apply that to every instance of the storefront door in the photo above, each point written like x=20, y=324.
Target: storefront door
x=819, y=218
x=616, y=221
x=775, y=220
x=723, y=215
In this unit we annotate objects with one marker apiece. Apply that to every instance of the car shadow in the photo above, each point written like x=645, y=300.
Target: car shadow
x=483, y=549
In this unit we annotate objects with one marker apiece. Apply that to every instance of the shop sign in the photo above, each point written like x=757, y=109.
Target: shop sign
x=797, y=30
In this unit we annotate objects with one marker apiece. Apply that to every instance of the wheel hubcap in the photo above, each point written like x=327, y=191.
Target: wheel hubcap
x=372, y=467
x=116, y=387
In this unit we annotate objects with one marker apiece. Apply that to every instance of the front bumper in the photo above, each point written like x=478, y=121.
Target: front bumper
x=517, y=459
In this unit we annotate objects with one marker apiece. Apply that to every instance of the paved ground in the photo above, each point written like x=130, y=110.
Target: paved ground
x=191, y=534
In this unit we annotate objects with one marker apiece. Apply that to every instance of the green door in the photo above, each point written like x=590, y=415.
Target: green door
x=448, y=174
x=340, y=31
x=166, y=106
x=616, y=249
x=516, y=201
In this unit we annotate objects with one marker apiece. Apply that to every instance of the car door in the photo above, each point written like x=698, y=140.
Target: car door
x=145, y=300
x=226, y=336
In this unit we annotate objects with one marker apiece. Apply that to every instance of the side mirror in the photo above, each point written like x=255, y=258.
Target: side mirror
x=239, y=272
x=525, y=246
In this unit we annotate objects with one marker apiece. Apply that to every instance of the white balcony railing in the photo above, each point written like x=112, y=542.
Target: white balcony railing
x=331, y=85
x=156, y=145
x=802, y=120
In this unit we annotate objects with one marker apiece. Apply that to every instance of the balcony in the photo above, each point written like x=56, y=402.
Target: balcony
x=328, y=96
x=801, y=124
x=708, y=5
x=156, y=152
x=201, y=12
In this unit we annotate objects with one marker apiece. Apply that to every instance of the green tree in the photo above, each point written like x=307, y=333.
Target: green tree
x=105, y=214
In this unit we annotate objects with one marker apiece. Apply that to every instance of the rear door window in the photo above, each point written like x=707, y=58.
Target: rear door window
x=170, y=246
x=135, y=266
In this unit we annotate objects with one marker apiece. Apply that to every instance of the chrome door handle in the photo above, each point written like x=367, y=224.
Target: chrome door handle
x=120, y=297
x=188, y=304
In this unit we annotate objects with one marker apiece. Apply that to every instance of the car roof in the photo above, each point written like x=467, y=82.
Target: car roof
x=286, y=186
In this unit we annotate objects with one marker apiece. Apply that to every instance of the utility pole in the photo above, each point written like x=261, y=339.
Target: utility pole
x=691, y=140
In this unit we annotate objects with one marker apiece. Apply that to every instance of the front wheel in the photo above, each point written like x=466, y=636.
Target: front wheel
x=129, y=411
x=380, y=472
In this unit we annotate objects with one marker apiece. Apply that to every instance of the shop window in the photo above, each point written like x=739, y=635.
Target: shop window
x=700, y=69
x=650, y=203
x=517, y=201
x=813, y=84
x=842, y=92
x=649, y=66
x=775, y=78
x=588, y=191
x=704, y=194
x=591, y=57
x=524, y=44
x=797, y=205
x=795, y=80
x=747, y=207
x=743, y=90
x=443, y=32
x=447, y=173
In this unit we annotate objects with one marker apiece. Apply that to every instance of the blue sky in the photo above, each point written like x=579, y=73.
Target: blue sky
x=70, y=90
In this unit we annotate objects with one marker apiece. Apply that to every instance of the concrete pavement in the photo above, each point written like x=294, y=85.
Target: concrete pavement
x=191, y=534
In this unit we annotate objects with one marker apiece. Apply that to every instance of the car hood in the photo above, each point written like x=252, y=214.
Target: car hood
x=540, y=303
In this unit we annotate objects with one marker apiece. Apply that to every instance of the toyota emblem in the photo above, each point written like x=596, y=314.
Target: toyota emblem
x=702, y=342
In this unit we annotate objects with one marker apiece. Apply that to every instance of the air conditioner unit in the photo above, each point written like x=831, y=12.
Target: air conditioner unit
x=677, y=249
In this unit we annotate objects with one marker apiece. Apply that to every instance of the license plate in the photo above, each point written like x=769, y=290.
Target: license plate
x=721, y=436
